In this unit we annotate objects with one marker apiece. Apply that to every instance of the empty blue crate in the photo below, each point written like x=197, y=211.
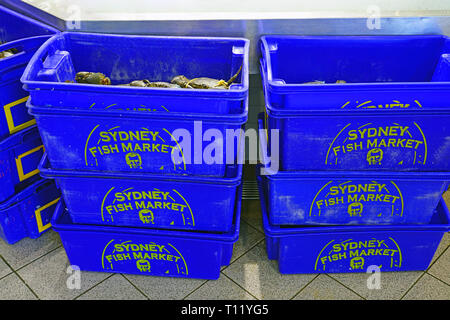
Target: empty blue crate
x=346, y=249
x=150, y=201
x=24, y=36
x=387, y=116
x=151, y=252
x=349, y=197
x=28, y=213
x=20, y=155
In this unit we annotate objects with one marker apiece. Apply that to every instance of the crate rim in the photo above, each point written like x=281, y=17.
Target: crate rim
x=28, y=19
x=224, y=119
x=235, y=94
x=46, y=172
x=231, y=236
x=275, y=231
x=24, y=194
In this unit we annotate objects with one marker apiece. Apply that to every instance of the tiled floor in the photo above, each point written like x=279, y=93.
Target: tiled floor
x=37, y=269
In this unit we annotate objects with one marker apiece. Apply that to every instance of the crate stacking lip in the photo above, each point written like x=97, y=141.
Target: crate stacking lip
x=26, y=36
x=382, y=72
x=153, y=252
x=141, y=142
x=125, y=58
x=349, y=197
x=149, y=201
x=28, y=213
x=20, y=155
x=345, y=249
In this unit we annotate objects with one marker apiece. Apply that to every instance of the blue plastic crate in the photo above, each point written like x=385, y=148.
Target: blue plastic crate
x=26, y=36
x=28, y=213
x=141, y=251
x=139, y=142
x=345, y=249
x=20, y=155
x=125, y=58
x=389, y=117
x=350, y=197
x=150, y=201
x=391, y=141
x=382, y=72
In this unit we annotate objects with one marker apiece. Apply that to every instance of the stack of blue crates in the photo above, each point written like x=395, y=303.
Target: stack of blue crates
x=364, y=149
x=26, y=201
x=139, y=195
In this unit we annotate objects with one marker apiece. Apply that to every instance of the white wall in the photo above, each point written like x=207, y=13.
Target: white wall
x=238, y=9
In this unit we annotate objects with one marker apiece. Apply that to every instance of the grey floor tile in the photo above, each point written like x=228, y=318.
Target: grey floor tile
x=113, y=288
x=443, y=245
x=441, y=268
x=27, y=250
x=260, y=276
x=221, y=289
x=326, y=288
x=428, y=288
x=251, y=213
x=12, y=288
x=248, y=237
x=393, y=284
x=4, y=269
x=48, y=277
x=161, y=288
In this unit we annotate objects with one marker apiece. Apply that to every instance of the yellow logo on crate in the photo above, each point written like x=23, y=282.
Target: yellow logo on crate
x=379, y=146
x=152, y=257
x=359, y=254
x=381, y=199
x=369, y=104
x=131, y=145
x=149, y=205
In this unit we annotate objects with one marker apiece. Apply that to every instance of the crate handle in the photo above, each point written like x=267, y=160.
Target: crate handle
x=37, y=212
x=44, y=163
x=23, y=46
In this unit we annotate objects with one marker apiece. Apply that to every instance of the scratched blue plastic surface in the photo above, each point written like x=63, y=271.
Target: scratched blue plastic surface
x=26, y=36
x=149, y=201
x=152, y=252
x=28, y=213
x=345, y=249
x=350, y=197
x=125, y=58
x=139, y=142
x=388, y=116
